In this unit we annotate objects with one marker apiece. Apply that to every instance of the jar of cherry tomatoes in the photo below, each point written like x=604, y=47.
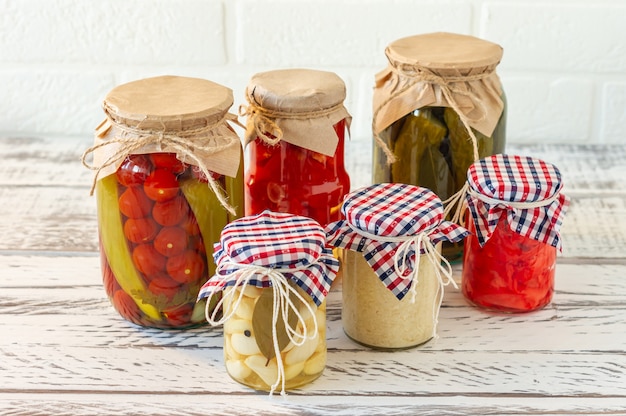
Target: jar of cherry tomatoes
x=393, y=274
x=273, y=273
x=438, y=107
x=515, y=212
x=167, y=181
x=296, y=122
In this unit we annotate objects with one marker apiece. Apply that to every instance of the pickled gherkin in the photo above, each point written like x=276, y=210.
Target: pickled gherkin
x=434, y=150
x=423, y=140
x=461, y=146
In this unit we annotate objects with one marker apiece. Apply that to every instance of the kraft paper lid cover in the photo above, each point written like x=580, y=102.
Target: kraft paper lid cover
x=191, y=112
x=304, y=104
x=418, y=67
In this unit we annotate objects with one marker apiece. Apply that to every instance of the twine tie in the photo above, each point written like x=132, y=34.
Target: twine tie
x=282, y=305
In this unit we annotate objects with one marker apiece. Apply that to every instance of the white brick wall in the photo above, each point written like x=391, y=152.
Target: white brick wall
x=564, y=65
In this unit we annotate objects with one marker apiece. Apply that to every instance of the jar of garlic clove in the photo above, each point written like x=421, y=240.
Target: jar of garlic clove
x=273, y=272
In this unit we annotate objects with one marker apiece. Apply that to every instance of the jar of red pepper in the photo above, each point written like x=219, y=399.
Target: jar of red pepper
x=166, y=183
x=296, y=122
x=515, y=212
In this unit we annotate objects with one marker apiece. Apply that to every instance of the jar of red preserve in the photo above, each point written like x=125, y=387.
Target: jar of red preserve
x=296, y=122
x=166, y=183
x=515, y=212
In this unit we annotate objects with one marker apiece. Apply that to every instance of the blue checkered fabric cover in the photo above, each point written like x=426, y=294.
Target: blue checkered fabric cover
x=294, y=245
x=510, y=185
x=385, y=212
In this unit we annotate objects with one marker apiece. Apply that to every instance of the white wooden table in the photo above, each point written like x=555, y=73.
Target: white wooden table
x=64, y=350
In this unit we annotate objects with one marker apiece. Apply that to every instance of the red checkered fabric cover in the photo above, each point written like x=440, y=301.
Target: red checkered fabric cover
x=292, y=245
x=379, y=218
x=525, y=189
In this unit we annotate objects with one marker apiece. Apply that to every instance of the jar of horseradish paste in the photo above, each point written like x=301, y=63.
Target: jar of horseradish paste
x=393, y=274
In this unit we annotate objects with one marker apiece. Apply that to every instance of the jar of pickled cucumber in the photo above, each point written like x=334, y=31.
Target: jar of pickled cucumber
x=515, y=213
x=393, y=274
x=167, y=181
x=273, y=274
x=438, y=107
x=296, y=123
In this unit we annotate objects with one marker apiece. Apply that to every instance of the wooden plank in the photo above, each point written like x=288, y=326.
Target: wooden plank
x=584, y=168
x=202, y=404
x=43, y=161
x=585, y=283
x=144, y=370
x=94, y=323
x=43, y=177
x=56, y=161
x=64, y=219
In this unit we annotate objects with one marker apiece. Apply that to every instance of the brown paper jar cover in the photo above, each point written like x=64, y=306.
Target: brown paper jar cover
x=190, y=109
x=304, y=103
x=420, y=64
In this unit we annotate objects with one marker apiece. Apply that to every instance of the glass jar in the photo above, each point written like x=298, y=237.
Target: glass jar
x=249, y=355
x=438, y=107
x=368, y=304
x=273, y=289
x=392, y=270
x=295, y=135
x=163, y=166
x=516, y=210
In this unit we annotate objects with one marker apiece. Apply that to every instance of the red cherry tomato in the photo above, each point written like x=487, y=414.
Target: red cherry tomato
x=163, y=285
x=171, y=241
x=134, y=170
x=147, y=260
x=168, y=161
x=190, y=225
x=171, y=212
x=140, y=230
x=134, y=203
x=197, y=244
x=187, y=267
x=181, y=315
x=161, y=185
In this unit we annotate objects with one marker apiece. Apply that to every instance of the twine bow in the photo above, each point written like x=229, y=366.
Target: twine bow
x=282, y=306
x=458, y=200
x=261, y=122
x=132, y=139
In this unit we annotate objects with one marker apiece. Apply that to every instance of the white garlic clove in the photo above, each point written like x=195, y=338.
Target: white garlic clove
x=268, y=372
x=245, y=309
x=238, y=369
x=303, y=352
x=250, y=291
x=292, y=371
x=316, y=363
x=244, y=345
x=235, y=325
